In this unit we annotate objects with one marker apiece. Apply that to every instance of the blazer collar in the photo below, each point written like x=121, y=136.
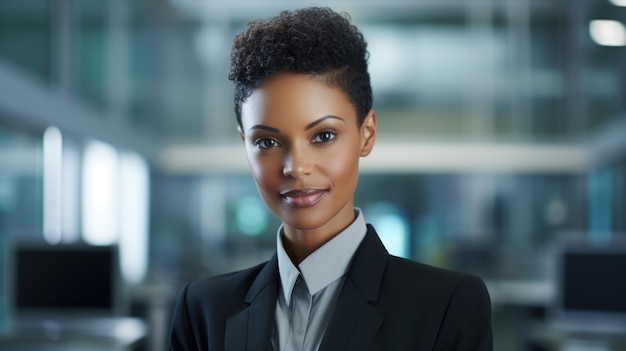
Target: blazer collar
x=368, y=265
x=252, y=327
x=355, y=321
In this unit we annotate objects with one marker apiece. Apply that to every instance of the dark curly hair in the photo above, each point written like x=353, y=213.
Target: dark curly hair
x=314, y=41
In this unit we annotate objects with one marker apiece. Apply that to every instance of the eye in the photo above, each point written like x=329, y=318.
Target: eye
x=325, y=137
x=265, y=143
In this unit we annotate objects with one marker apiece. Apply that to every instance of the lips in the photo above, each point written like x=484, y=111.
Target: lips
x=304, y=197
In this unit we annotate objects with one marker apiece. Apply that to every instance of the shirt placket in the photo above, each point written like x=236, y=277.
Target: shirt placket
x=300, y=314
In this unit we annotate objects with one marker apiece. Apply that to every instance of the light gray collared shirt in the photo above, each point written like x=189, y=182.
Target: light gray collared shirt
x=309, y=292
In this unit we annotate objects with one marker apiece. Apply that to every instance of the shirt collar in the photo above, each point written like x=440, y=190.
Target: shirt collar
x=326, y=264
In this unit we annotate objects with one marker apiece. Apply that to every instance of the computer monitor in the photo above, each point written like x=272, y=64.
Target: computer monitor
x=592, y=283
x=63, y=281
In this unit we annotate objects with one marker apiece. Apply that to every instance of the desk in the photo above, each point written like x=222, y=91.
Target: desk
x=529, y=293
x=102, y=334
x=545, y=336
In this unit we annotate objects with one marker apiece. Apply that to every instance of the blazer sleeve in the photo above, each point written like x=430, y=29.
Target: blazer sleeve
x=467, y=321
x=182, y=335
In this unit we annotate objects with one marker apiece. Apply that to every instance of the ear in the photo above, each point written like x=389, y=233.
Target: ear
x=368, y=133
x=241, y=135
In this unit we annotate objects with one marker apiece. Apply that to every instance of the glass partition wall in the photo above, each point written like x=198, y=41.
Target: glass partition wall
x=506, y=120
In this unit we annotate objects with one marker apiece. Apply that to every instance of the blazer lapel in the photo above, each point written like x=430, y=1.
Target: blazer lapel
x=355, y=321
x=251, y=329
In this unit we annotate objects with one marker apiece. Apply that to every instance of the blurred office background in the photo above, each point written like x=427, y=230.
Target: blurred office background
x=502, y=140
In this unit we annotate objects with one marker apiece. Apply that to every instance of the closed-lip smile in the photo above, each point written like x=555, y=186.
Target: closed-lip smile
x=303, y=197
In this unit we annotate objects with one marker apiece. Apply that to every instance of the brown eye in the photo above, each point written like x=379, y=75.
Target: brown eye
x=265, y=143
x=324, y=137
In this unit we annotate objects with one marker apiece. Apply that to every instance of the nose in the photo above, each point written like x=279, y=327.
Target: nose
x=297, y=163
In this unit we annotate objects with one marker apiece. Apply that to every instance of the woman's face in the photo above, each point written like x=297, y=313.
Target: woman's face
x=303, y=145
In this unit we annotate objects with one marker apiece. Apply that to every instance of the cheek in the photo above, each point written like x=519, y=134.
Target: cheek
x=343, y=167
x=263, y=171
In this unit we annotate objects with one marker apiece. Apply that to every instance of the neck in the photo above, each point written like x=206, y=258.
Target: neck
x=299, y=244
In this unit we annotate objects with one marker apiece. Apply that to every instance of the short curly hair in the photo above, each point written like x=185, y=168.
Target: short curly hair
x=314, y=41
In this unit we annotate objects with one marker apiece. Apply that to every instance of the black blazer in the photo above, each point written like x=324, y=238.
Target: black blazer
x=386, y=303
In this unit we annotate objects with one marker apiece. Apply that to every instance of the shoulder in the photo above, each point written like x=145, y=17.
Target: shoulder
x=423, y=274
x=203, y=306
x=224, y=284
x=423, y=282
x=407, y=281
x=220, y=292
x=454, y=307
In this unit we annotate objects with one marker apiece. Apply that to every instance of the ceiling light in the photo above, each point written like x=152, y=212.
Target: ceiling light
x=608, y=32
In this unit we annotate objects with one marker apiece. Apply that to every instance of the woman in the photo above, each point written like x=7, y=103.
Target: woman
x=303, y=103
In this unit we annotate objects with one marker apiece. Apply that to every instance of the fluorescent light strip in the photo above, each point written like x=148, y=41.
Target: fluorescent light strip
x=475, y=158
x=133, y=205
x=52, y=184
x=71, y=183
x=608, y=32
x=621, y=3
x=100, y=194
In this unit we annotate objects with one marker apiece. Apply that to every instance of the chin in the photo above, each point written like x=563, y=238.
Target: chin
x=304, y=220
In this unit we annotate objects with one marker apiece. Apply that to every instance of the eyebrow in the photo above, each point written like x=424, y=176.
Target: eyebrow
x=260, y=126
x=308, y=126
x=313, y=124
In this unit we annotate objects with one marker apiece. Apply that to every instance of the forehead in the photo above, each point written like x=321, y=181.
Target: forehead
x=295, y=96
